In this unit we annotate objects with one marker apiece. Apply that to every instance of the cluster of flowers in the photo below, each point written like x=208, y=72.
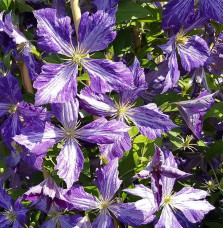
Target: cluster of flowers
x=117, y=98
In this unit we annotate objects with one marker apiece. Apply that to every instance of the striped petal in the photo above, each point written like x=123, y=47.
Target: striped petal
x=107, y=75
x=54, y=32
x=150, y=120
x=70, y=162
x=57, y=83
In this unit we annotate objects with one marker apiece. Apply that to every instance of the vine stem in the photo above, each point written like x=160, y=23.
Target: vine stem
x=26, y=81
x=76, y=12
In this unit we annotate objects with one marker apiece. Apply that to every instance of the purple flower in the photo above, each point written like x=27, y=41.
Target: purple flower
x=184, y=208
x=193, y=111
x=148, y=118
x=133, y=214
x=22, y=42
x=58, y=217
x=165, y=77
x=193, y=51
x=70, y=160
x=57, y=83
x=14, y=213
x=18, y=113
x=46, y=193
x=158, y=168
x=178, y=12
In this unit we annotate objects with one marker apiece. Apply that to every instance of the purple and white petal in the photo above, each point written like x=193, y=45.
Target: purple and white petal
x=12, y=31
x=95, y=32
x=84, y=223
x=4, y=108
x=141, y=191
x=193, y=111
x=150, y=120
x=67, y=113
x=11, y=127
x=107, y=75
x=191, y=202
x=172, y=172
x=38, y=140
x=134, y=214
x=47, y=188
x=96, y=103
x=176, y=13
x=57, y=83
x=104, y=220
x=138, y=73
x=54, y=32
x=108, y=181
x=212, y=9
x=117, y=149
x=168, y=219
x=80, y=199
x=9, y=89
x=173, y=73
x=145, y=173
x=5, y=199
x=33, y=115
x=70, y=162
x=102, y=131
x=194, y=54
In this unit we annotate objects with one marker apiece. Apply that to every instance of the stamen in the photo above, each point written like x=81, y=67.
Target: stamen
x=12, y=109
x=10, y=215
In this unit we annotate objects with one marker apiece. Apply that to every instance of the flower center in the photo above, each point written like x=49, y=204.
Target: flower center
x=10, y=216
x=181, y=39
x=167, y=199
x=104, y=205
x=122, y=110
x=70, y=133
x=12, y=109
x=77, y=58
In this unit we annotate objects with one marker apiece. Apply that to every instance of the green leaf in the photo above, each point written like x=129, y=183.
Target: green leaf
x=213, y=224
x=2, y=5
x=83, y=77
x=7, y=59
x=128, y=10
x=215, y=111
x=22, y=7
x=7, y=3
x=133, y=131
x=123, y=43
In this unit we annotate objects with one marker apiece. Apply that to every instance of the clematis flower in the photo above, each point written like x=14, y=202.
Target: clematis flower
x=19, y=114
x=178, y=12
x=148, y=118
x=70, y=160
x=46, y=193
x=157, y=168
x=21, y=43
x=58, y=218
x=57, y=83
x=193, y=111
x=184, y=208
x=14, y=213
x=193, y=51
x=165, y=77
x=134, y=214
